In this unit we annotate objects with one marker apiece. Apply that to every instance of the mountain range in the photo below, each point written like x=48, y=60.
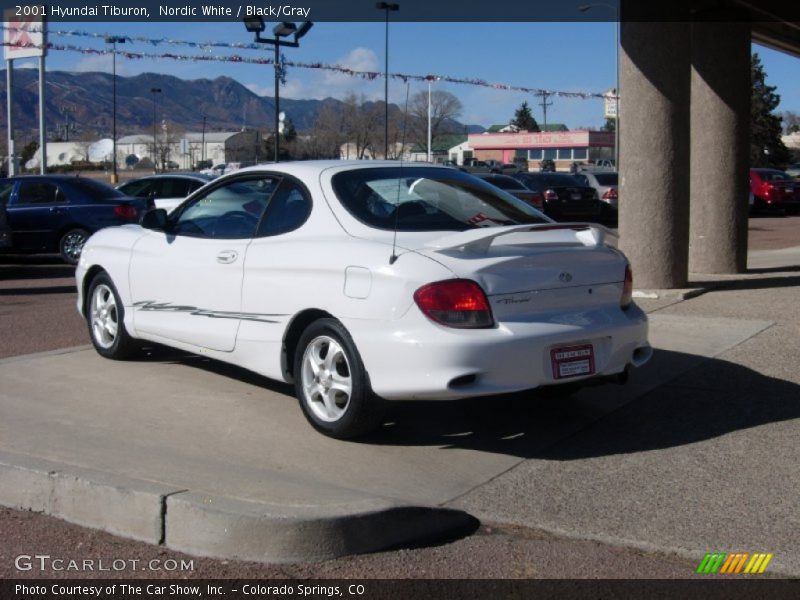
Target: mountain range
x=81, y=104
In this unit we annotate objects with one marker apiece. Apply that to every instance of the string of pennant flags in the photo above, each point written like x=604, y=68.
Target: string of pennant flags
x=208, y=47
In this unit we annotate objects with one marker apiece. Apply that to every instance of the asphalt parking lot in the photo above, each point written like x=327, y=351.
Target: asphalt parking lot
x=695, y=455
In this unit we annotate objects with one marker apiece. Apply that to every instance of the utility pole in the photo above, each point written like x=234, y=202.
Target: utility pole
x=544, y=104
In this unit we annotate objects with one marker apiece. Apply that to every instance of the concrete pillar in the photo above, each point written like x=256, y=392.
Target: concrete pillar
x=720, y=142
x=654, y=151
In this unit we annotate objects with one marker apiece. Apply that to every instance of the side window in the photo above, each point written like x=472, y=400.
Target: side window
x=230, y=211
x=583, y=180
x=39, y=192
x=6, y=188
x=287, y=210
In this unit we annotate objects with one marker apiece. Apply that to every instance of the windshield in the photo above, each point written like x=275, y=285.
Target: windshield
x=425, y=199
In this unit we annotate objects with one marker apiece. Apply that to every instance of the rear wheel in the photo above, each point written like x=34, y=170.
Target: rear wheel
x=105, y=316
x=332, y=384
x=71, y=245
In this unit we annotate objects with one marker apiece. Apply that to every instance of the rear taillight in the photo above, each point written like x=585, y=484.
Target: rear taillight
x=126, y=211
x=610, y=194
x=550, y=195
x=537, y=200
x=457, y=303
x=627, y=289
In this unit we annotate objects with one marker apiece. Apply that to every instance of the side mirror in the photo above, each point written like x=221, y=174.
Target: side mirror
x=155, y=219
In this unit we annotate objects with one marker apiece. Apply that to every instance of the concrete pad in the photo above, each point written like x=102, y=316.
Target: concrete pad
x=188, y=423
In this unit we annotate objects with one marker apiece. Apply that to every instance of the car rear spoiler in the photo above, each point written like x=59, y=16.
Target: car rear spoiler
x=480, y=240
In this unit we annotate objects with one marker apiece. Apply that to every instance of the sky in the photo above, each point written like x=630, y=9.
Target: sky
x=573, y=57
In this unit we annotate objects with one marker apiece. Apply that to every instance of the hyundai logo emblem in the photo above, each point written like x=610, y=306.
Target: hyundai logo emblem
x=565, y=277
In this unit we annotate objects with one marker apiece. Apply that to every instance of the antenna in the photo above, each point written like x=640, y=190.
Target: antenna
x=394, y=257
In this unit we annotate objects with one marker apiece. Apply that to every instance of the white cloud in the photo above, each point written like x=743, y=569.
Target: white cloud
x=28, y=64
x=100, y=63
x=319, y=84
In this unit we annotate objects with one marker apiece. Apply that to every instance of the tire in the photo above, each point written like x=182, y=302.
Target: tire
x=105, y=317
x=71, y=245
x=331, y=383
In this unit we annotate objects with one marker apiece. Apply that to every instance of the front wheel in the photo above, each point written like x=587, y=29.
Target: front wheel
x=105, y=315
x=71, y=245
x=332, y=384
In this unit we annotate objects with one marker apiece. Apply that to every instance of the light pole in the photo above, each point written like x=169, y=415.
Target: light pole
x=431, y=79
x=203, y=144
x=584, y=8
x=114, y=40
x=387, y=6
x=154, y=91
x=256, y=25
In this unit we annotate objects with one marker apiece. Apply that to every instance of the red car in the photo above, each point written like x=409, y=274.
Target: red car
x=774, y=189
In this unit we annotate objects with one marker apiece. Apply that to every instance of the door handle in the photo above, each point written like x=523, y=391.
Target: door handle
x=227, y=256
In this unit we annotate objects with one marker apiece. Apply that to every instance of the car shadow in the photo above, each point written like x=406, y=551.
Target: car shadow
x=36, y=291
x=751, y=284
x=36, y=266
x=700, y=399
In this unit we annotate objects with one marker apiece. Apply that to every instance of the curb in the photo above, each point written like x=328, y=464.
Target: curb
x=219, y=527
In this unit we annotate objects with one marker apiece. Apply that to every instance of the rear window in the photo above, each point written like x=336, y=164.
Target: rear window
x=504, y=183
x=775, y=176
x=95, y=189
x=427, y=199
x=606, y=178
x=541, y=181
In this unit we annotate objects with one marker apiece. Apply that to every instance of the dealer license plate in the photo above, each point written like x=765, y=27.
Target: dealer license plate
x=572, y=361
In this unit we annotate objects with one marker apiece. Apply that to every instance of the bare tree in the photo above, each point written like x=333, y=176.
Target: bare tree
x=791, y=122
x=445, y=107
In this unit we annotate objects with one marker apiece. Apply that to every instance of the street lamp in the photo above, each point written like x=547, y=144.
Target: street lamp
x=114, y=40
x=203, y=144
x=255, y=25
x=154, y=91
x=430, y=78
x=387, y=6
x=584, y=8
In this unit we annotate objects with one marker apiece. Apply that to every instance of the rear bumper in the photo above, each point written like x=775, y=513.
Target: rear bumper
x=413, y=358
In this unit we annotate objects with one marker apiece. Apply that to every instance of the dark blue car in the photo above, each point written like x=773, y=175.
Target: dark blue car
x=58, y=213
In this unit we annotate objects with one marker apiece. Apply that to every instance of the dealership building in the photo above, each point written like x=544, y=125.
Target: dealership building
x=563, y=147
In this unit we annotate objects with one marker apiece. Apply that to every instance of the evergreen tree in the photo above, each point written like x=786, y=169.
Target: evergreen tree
x=523, y=119
x=766, y=147
x=610, y=125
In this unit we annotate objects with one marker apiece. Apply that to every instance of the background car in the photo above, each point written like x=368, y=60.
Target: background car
x=774, y=189
x=362, y=284
x=165, y=190
x=565, y=197
x=54, y=213
x=513, y=187
x=605, y=184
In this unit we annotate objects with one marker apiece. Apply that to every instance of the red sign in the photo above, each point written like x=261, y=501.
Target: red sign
x=23, y=36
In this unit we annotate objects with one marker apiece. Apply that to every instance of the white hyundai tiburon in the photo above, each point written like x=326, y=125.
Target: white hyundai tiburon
x=362, y=281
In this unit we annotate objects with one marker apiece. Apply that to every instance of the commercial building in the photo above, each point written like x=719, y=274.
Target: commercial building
x=563, y=147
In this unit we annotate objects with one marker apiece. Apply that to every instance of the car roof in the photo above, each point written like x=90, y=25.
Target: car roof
x=313, y=168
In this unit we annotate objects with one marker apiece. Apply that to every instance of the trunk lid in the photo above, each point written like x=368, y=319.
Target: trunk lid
x=513, y=263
